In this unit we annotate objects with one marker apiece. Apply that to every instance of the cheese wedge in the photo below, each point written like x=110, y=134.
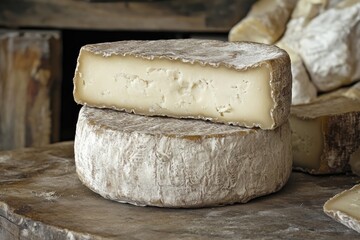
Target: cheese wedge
x=245, y=84
x=184, y=163
x=265, y=22
x=345, y=208
x=325, y=135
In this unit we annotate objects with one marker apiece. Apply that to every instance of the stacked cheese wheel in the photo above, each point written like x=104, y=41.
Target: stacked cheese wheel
x=183, y=123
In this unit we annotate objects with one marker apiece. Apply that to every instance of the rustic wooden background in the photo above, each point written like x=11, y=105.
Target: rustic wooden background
x=30, y=88
x=155, y=15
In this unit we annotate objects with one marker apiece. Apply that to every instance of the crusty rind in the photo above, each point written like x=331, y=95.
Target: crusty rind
x=340, y=216
x=151, y=161
x=239, y=56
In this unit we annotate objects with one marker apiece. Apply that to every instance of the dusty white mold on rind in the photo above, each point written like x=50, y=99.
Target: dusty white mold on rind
x=169, y=162
x=345, y=208
x=245, y=84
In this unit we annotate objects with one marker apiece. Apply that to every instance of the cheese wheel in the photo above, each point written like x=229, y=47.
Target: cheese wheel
x=170, y=162
x=326, y=135
x=239, y=83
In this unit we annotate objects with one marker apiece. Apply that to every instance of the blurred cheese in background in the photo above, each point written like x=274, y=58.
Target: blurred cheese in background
x=265, y=23
x=326, y=134
x=353, y=92
x=330, y=47
x=321, y=38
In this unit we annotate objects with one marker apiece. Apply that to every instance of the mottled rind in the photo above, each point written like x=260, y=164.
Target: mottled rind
x=239, y=56
x=170, y=162
x=340, y=118
x=340, y=216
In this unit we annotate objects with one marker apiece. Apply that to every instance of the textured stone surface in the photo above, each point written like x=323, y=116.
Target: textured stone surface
x=42, y=198
x=171, y=162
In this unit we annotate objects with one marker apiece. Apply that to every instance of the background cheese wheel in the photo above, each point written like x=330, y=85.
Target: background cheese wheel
x=326, y=134
x=169, y=162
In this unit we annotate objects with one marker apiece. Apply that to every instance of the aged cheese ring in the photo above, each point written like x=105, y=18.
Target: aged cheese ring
x=169, y=162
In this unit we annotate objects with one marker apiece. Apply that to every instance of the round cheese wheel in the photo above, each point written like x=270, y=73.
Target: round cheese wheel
x=169, y=162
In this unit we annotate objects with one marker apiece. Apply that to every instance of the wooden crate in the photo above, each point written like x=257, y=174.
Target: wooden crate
x=30, y=78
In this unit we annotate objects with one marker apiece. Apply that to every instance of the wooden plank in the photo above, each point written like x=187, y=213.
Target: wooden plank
x=41, y=194
x=30, y=78
x=160, y=15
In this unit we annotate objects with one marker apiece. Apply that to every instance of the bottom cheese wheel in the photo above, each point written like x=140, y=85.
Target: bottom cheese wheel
x=169, y=162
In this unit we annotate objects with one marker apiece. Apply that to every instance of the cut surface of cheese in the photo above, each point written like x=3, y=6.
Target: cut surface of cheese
x=245, y=84
x=265, y=22
x=345, y=208
x=325, y=135
x=184, y=163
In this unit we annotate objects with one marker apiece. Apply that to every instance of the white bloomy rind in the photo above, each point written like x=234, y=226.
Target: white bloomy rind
x=330, y=47
x=169, y=162
x=245, y=84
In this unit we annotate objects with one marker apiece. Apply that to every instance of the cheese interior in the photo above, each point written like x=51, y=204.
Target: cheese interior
x=307, y=142
x=174, y=88
x=347, y=202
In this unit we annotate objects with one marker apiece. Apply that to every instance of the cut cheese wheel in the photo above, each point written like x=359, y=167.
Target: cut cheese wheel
x=265, y=22
x=345, y=208
x=184, y=163
x=325, y=134
x=244, y=84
